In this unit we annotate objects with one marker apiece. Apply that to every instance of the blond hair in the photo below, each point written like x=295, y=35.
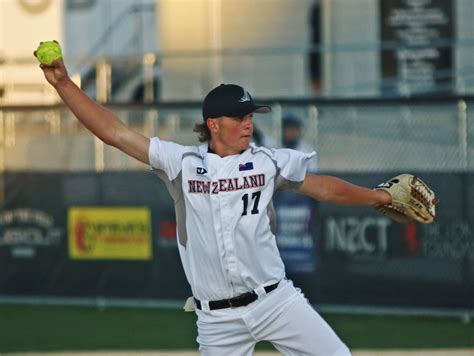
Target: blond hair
x=204, y=134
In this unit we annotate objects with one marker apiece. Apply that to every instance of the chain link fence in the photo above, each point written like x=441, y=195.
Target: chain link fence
x=348, y=135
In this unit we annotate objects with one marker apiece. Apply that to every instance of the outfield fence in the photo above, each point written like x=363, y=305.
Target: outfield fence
x=55, y=176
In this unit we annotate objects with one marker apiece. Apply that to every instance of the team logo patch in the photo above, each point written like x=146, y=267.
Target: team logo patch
x=246, y=166
x=245, y=97
x=201, y=171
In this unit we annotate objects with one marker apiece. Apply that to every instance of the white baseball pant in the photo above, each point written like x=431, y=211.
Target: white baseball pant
x=283, y=317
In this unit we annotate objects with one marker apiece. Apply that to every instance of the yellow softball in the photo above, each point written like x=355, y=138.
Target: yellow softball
x=47, y=52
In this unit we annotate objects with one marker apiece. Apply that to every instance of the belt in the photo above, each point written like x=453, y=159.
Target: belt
x=239, y=301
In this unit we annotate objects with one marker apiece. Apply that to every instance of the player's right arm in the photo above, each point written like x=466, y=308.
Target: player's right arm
x=100, y=121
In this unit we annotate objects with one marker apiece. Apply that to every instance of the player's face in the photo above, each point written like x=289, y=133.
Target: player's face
x=231, y=135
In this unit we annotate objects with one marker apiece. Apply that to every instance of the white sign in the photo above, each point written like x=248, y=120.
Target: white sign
x=24, y=230
x=351, y=235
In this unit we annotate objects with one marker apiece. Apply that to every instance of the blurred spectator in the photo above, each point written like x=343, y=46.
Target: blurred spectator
x=292, y=137
x=315, y=56
x=260, y=138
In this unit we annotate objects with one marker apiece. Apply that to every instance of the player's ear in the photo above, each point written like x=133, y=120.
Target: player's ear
x=212, y=125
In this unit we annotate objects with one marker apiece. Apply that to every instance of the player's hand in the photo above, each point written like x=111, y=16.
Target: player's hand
x=383, y=198
x=56, y=73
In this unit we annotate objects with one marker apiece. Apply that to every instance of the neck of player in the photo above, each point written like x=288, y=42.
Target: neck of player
x=223, y=150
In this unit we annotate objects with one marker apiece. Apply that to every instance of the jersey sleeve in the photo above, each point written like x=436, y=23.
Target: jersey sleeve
x=292, y=166
x=166, y=156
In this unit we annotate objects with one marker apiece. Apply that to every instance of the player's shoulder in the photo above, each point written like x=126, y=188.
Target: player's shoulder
x=262, y=151
x=305, y=147
x=169, y=155
x=255, y=149
x=276, y=153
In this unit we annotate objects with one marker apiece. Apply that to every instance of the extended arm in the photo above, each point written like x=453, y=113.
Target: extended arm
x=100, y=121
x=334, y=190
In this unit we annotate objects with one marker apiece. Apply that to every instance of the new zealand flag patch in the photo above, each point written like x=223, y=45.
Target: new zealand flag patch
x=246, y=166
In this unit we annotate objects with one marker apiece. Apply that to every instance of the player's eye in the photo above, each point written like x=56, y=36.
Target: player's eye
x=242, y=118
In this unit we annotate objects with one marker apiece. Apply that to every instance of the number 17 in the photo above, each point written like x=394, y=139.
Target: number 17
x=255, y=198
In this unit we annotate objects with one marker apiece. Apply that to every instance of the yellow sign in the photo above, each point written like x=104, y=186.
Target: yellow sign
x=109, y=233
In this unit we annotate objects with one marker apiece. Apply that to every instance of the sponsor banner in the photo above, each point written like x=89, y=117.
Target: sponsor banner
x=379, y=237
x=336, y=254
x=119, y=233
x=366, y=256
x=423, y=33
x=24, y=231
x=296, y=231
x=357, y=236
x=448, y=240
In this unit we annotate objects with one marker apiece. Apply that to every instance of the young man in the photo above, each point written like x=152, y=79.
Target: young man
x=223, y=192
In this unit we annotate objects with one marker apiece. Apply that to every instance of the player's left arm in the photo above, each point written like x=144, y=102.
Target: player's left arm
x=338, y=191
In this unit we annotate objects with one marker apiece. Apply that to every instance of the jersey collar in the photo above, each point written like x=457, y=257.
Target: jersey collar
x=206, y=148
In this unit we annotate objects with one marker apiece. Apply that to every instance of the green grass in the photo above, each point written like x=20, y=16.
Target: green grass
x=388, y=332
x=48, y=328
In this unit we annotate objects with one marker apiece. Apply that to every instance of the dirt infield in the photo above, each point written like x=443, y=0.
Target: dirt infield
x=437, y=352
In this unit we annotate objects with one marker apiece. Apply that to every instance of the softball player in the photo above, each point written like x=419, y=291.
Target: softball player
x=223, y=192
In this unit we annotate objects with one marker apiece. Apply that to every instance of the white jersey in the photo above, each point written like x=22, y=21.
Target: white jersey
x=224, y=213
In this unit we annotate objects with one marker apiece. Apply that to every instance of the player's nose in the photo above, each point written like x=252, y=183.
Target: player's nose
x=248, y=126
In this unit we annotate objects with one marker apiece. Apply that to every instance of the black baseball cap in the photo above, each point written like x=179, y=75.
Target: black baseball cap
x=230, y=100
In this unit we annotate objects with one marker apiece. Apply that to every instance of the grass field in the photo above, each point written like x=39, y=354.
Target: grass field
x=55, y=328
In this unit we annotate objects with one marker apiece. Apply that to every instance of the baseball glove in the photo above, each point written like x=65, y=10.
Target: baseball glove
x=412, y=199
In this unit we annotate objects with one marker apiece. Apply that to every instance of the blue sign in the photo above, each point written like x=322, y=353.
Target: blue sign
x=296, y=231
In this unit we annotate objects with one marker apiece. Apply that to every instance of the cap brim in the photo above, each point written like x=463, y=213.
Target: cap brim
x=259, y=109
x=262, y=109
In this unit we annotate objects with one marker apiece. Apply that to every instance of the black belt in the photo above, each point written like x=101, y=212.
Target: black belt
x=239, y=301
